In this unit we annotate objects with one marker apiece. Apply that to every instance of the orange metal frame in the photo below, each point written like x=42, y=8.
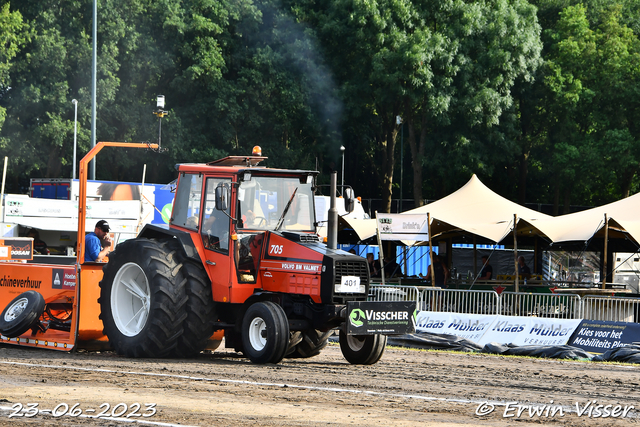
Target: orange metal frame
x=63, y=284
x=82, y=197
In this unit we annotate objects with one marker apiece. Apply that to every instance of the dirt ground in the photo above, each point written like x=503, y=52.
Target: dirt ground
x=406, y=388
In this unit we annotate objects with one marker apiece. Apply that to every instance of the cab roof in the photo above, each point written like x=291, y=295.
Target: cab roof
x=237, y=164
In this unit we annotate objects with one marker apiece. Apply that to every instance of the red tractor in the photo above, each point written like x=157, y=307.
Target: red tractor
x=241, y=255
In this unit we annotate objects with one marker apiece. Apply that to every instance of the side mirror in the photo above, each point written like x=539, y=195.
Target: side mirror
x=222, y=197
x=349, y=200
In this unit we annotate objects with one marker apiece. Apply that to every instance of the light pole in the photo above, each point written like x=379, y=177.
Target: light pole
x=75, y=132
x=399, y=122
x=94, y=74
x=160, y=113
x=342, y=149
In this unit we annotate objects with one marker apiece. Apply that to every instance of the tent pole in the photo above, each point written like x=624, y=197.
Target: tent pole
x=515, y=250
x=535, y=256
x=380, y=253
x=475, y=258
x=433, y=272
x=604, y=254
x=404, y=260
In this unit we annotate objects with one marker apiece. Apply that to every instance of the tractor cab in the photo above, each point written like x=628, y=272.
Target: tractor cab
x=232, y=207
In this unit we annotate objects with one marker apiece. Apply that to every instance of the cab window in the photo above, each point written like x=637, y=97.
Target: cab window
x=215, y=223
x=247, y=256
x=186, y=207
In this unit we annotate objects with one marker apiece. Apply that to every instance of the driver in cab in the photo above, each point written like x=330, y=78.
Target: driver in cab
x=213, y=230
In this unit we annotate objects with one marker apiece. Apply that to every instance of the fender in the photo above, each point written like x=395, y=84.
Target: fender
x=154, y=231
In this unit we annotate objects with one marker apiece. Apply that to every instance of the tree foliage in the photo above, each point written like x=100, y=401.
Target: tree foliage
x=539, y=99
x=13, y=34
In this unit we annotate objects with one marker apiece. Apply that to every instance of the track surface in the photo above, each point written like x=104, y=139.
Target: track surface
x=406, y=388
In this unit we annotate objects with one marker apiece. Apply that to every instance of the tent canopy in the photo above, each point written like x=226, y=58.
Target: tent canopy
x=475, y=209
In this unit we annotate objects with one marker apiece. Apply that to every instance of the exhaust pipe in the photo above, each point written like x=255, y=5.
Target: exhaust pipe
x=332, y=226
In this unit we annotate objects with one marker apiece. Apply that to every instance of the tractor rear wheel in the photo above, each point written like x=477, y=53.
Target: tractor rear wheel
x=362, y=349
x=265, y=332
x=200, y=308
x=21, y=314
x=143, y=299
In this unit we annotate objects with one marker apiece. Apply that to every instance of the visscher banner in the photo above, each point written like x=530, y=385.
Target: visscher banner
x=389, y=318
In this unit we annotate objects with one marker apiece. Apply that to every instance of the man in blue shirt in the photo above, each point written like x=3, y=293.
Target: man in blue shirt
x=97, y=244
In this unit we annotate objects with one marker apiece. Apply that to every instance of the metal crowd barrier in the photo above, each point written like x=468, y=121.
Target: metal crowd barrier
x=443, y=300
x=395, y=293
x=460, y=301
x=616, y=309
x=562, y=306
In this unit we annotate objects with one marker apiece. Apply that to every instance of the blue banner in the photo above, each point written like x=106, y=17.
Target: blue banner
x=598, y=336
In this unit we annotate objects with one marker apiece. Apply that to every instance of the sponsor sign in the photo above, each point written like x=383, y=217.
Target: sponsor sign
x=469, y=326
x=403, y=226
x=63, y=278
x=483, y=329
x=18, y=248
x=388, y=318
x=598, y=336
x=520, y=330
x=19, y=282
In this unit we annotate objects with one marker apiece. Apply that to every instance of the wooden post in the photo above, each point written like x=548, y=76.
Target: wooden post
x=604, y=253
x=535, y=256
x=475, y=259
x=433, y=272
x=380, y=251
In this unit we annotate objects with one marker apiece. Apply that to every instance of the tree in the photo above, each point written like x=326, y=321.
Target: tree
x=13, y=34
x=446, y=67
x=491, y=48
x=591, y=76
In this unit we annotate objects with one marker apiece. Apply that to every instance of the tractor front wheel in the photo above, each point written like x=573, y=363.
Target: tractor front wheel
x=362, y=349
x=265, y=332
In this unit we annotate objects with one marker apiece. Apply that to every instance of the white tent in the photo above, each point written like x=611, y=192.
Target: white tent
x=476, y=209
x=582, y=226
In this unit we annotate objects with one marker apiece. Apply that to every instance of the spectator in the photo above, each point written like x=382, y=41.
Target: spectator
x=391, y=267
x=39, y=246
x=440, y=271
x=487, y=271
x=371, y=265
x=377, y=268
x=98, y=243
x=523, y=269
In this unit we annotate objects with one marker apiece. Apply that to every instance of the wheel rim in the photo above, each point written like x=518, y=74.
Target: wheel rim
x=257, y=334
x=355, y=343
x=16, y=309
x=130, y=299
